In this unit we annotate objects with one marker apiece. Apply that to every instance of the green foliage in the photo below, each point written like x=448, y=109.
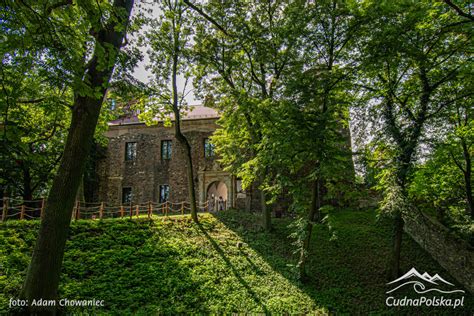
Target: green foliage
x=414, y=71
x=278, y=73
x=168, y=42
x=145, y=267
x=439, y=184
x=154, y=267
x=45, y=45
x=242, y=71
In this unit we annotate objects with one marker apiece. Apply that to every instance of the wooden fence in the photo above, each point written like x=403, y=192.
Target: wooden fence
x=19, y=209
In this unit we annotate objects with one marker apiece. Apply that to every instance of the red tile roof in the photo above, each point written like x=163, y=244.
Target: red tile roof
x=196, y=112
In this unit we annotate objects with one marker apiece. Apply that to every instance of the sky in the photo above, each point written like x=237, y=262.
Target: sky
x=143, y=75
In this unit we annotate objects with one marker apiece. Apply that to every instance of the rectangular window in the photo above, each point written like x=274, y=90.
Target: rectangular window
x=164, y=193
x=166, y=149
x=130, y=151
x=208, y=148
x=126, y=195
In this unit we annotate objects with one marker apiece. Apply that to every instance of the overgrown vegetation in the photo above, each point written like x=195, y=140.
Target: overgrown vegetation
x=287, y=78
x=225, y=265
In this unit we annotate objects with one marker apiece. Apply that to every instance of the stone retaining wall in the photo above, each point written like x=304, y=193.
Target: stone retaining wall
x=452, y=253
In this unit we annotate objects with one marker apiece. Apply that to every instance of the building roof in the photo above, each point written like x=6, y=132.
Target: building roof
x=197, y=112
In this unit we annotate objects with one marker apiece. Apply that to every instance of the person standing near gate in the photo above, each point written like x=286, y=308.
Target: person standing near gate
x=220, y=204
x=211, y=203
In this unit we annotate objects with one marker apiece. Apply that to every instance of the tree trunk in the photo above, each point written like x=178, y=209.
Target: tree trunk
x=27, y=187
x=179, y=135
x=407, y=143
x=190, y=174
x=394, y=268
x=266, y=211
x=467, y=179
x=312, y=217
x=43, y=273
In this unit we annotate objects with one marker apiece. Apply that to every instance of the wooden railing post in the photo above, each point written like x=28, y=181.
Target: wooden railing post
x=78, y=210
x=182, y=208
x=22, y=212
x=162, y=208
x=74, y=212
x=122, y=211
x=101, y=210
x=149, y=209
x=136, y=210
x=5, y=209
x=42, y=208
x=167, y=208
x=131, y=210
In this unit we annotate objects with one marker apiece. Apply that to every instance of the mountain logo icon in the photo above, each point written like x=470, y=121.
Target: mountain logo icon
x=423, y=283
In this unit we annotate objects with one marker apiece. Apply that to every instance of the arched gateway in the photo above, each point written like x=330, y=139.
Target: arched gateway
x=217, y=196
x=217, y=188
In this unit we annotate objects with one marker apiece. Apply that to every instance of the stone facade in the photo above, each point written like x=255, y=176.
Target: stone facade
x=147, y=171
x=452, y=253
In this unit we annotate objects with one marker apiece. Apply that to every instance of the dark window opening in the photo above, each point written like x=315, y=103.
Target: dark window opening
x=166, y=149
x=208, y=148
x=164, y=193
x=126, y=195
x=130, y=151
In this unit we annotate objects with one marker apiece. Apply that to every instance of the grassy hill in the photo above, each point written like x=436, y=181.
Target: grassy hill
x=225, y=265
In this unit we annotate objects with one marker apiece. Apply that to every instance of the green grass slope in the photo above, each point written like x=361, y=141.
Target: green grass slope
x=226, y=265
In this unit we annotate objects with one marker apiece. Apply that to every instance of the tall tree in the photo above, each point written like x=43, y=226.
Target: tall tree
x=169, y=39
x=414, y=60
x=310, y=123
x=277, y=71
x=107, y=23
x=241, y=64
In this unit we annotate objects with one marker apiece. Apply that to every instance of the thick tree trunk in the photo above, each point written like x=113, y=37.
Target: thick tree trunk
x=398, y=223
x=43, y=273
x=394, y=269
x=313, y=215
x=407, y=143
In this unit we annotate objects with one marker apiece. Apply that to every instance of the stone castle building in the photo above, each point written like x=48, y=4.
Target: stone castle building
x=146, y=163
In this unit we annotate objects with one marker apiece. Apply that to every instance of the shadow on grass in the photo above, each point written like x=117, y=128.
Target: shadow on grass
x=346, y=262
x=141, y=272
x=236, y=273
x=133, y=273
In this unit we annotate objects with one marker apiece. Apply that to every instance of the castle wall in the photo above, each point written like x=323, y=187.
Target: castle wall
x=148, y=171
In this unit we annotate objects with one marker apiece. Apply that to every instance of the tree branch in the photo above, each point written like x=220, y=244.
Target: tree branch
x=459, y=11
x=456, y=161
x=207, y=17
